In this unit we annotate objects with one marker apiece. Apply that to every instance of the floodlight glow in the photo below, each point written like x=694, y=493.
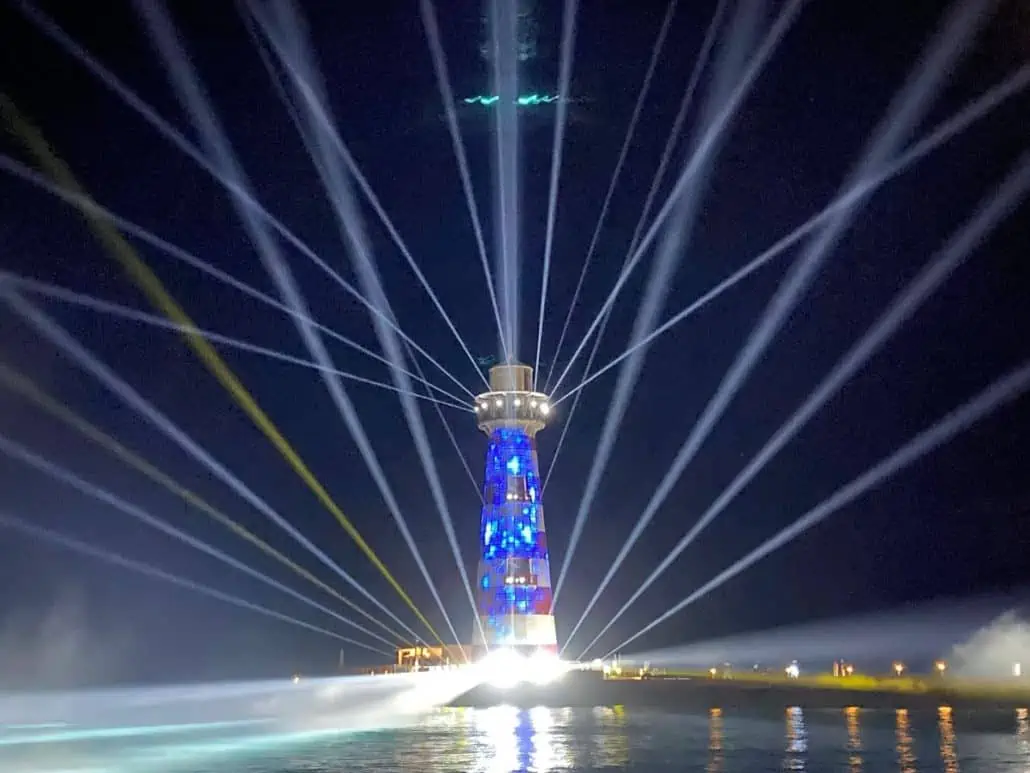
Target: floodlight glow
x=544, y=667
x=545, y=408
x=503, y=668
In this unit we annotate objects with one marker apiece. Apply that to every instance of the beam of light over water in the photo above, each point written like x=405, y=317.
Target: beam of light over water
x=277, y=42
x=504, y=33
x=324, y=146
x=55, y=292
x=906, y=109
x=568, y=44
x=189, y=89
x=975, y=111
x=49, y=28
x=17, y=451
x=59, y=337
x=674, y=136
x=645, y=87
x=674, y=242
x=147, y=281
x=321, y=134
x=432, y=29
x=86, y=204
x=26, y=389
x=131, y=730
x=1003, y=391
x=8, y=521
x=915, y=635
x=450, y=432
x=955, y=252
x=903, y=114
x=677, y=127
x=784, y=21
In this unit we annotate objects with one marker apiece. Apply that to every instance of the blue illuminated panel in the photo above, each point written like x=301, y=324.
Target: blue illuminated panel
x=513, y=577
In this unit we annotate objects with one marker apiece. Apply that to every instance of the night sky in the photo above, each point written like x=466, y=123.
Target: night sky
x=954, y=524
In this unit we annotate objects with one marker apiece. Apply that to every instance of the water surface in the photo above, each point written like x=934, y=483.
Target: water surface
x=503, y=739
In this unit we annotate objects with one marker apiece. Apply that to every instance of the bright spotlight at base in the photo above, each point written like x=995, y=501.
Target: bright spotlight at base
x=545, y=667
x=506, y=668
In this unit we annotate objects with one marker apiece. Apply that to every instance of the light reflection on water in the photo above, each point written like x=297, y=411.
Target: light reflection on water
x=549, y=750
x=1023, y=737
x=542, y=740
x=906, y=754
x=851, y=717
x=715, y=741
x=946, y=724
x=797, y=739
x=612, y=743
x=498, y=748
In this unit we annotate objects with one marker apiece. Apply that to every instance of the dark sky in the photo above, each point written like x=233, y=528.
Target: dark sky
x=953, y=524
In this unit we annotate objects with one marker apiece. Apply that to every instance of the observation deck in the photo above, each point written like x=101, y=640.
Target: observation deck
x=512, y=401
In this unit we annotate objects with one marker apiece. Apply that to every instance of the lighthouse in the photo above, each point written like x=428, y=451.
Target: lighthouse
x=514, y=579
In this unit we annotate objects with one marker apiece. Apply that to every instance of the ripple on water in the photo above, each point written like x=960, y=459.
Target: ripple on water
x=542, y=740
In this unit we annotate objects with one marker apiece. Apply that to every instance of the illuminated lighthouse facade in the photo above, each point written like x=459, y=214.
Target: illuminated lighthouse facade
x=514, y=580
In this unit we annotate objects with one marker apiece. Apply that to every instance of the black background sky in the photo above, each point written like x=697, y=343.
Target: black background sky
x=955, y=523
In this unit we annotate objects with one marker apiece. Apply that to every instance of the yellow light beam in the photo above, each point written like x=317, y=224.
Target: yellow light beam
x=20, y=384
x=148, y=282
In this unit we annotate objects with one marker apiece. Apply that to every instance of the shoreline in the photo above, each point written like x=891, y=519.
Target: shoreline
x=584, y=689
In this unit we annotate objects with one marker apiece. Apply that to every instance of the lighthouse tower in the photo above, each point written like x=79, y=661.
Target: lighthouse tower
x=514, y=580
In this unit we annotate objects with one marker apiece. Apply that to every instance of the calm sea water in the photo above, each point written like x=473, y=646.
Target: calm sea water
x=503, y=739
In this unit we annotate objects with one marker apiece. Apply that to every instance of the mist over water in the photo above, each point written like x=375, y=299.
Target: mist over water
x=996, y=649
x=984, y=637
x=57, y=648
x=178, y=726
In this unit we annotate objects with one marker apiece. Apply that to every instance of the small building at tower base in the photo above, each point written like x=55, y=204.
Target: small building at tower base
x=425, y=657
